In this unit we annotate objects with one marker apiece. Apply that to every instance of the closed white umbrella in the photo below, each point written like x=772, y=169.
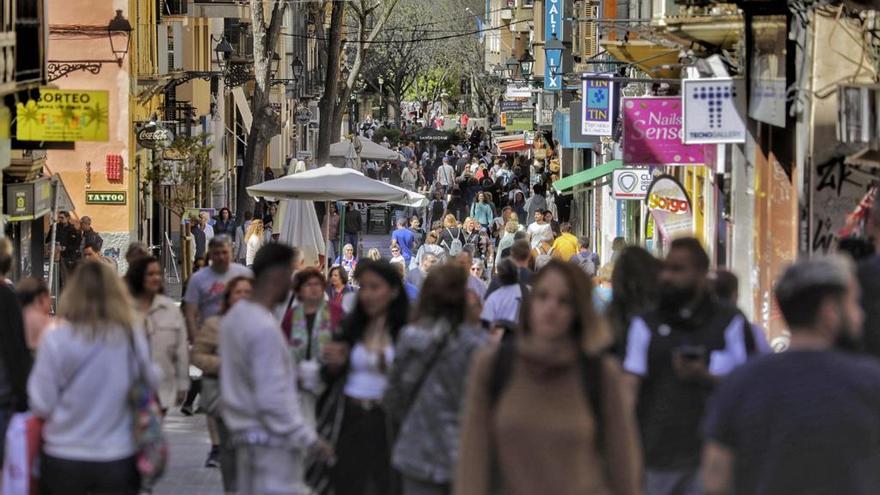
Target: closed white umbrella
x=298, y=224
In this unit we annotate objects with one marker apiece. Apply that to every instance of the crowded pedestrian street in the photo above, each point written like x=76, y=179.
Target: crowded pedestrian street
x=459, y=247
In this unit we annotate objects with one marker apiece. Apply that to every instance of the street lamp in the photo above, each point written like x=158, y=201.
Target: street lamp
x=553, y=49
x=119, y=29
x=223, y=50
x=511, y=64
x=276, y=63
x=498, y=71
x=526, y=62
x=296, y=68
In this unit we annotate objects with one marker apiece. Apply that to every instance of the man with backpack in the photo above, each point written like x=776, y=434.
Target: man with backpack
x=674, y=356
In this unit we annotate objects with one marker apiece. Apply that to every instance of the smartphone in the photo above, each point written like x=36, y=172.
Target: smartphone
x=692, y=352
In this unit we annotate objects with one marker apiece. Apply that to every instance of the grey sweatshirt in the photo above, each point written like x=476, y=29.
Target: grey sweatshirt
x=80, y=387
x=257, y=379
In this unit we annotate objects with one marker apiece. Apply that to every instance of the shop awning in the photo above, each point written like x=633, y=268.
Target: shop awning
x=513, y=145
x=587, y=176
x=646, y=55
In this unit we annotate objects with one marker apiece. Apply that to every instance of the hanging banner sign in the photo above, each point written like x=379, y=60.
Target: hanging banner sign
x=652, y=130
x=714, y=111
x=597, y=107
x=670, y=207
x=631, y=183
x=767, y=77
x=520, y=90
x=553, y=27
x=507, y=106
x=64, y=115
x=154, y=137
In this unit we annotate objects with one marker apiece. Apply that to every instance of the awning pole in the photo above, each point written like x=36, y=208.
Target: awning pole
x=327, y=260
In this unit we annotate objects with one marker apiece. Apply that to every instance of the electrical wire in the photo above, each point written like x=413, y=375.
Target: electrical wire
x=422, y=40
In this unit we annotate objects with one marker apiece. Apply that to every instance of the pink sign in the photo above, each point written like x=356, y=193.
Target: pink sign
x=652, y=133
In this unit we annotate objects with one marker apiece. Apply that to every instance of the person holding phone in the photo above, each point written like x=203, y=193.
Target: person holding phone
x=673, y=357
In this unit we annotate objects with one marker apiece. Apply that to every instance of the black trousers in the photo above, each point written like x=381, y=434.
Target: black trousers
x=66, y=477
x=363, y=453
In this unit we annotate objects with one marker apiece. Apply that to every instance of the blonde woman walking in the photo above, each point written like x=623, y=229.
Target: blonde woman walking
x=80, y=385
x=254, y=238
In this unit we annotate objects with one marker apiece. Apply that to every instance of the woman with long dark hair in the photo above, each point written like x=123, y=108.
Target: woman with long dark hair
x=165, y=329
x=224, y=223
x=636, y=290
x=358, y=364
x=546, y=413
x=426, y=385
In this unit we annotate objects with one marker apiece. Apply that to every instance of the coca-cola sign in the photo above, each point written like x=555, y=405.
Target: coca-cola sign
x=154, y=137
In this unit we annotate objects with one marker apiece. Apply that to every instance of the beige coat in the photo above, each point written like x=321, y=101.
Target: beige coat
x=169, y=349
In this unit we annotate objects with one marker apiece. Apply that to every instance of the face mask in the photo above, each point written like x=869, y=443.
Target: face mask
x=673, y=298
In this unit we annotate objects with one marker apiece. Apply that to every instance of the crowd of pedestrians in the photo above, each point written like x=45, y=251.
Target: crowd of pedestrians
x=480, y=355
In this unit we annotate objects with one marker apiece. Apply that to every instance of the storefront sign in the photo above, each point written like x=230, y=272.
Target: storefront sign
x=518, y=90
x=507, y=106
x=597, y=107
x=767, y=77
x=714, y=111
x=670, y=207
x=652, y=130
x=28, y=200
x=631, y=183
x=553, y=26
x=154, y=136
x=303, y=115
x=64, y=115
x=518, y=121
x=105, y=197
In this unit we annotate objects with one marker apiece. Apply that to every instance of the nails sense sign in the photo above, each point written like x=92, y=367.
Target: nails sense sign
x=105, y=197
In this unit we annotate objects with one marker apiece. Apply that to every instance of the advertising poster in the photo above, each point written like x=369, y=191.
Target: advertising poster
x=597, y=107
x=64, y=115
x=652, y=129
x=714, y=111
x=670, y=208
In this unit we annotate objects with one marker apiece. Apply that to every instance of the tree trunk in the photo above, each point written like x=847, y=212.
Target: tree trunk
x=327, y=105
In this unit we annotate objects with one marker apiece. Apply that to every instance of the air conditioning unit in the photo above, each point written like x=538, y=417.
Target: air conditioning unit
x=858, y=114
x=506, y=14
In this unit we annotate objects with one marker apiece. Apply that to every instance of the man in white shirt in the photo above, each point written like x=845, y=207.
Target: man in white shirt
x=539, y=231
x=258, y=386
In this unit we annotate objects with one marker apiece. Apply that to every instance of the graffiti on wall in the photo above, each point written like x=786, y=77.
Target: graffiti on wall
x=838, y=188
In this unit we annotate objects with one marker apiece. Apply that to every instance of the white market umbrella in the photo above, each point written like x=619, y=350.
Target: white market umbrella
x=298, y=224
x=369, y=151
x=329, y=183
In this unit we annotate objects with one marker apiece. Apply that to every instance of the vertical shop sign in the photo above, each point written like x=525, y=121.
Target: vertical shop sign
x=652, y=129
x=597, y=107
x=767, y=76
x=553, y=25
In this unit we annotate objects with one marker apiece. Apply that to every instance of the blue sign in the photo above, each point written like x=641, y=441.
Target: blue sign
x=553, y=27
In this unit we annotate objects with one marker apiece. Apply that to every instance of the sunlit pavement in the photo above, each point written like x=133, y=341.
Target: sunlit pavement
x=186, y=473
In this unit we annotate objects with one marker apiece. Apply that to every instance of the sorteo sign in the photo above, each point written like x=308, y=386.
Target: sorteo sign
x=155, y=137
x=64, y=116
x=105, y=197
x=670, y=207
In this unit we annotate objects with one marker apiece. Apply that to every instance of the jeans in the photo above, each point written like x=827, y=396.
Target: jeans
x=68, y=477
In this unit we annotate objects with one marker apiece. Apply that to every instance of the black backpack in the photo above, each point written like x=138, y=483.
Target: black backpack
x=591, y=380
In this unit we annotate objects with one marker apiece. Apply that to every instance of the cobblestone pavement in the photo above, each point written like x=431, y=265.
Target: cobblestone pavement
x=187, y=474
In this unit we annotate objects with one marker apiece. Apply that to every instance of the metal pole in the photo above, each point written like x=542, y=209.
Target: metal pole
x=327, y=260
x=55, y=185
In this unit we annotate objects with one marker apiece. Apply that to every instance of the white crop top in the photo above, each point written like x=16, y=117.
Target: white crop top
x=365, y=379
